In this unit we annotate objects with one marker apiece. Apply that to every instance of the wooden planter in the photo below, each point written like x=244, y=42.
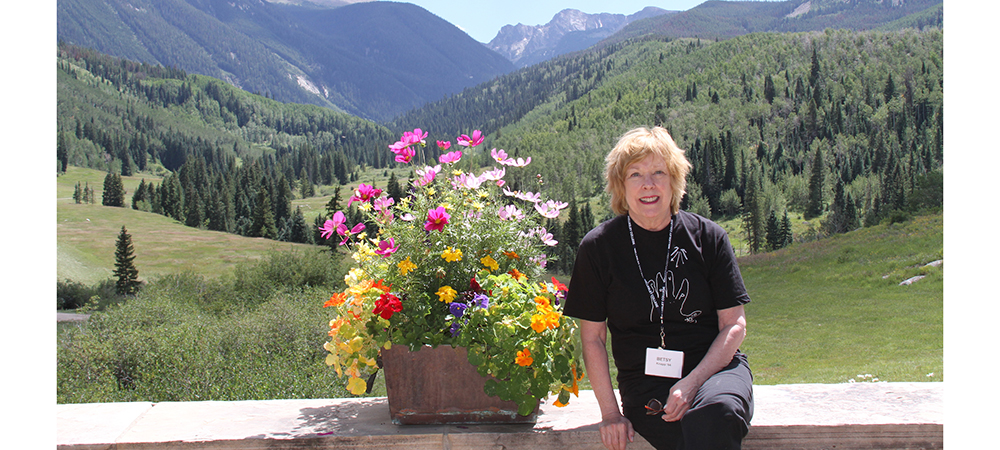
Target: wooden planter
x=439, y=386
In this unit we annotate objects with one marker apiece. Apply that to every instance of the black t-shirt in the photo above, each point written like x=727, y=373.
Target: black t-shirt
x=703, y=277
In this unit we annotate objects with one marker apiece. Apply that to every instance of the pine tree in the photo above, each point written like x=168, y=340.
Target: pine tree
x=393, y=188
x=128, y=276
x=62, y=152
x=114, y=191
x=786, y=230
x=263, y=217
x=753, y=212
x=77, y=193
x=815, y=206
x=773, y=232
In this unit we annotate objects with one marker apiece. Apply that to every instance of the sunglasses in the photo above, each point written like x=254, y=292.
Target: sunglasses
x=654, y=407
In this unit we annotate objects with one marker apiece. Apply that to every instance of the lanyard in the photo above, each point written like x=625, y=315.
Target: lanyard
x=664, y=290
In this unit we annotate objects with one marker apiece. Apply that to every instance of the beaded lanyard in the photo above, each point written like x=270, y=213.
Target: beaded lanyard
x=663, y=291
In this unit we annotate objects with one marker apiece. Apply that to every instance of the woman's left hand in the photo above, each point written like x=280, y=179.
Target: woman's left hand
x=680, y=399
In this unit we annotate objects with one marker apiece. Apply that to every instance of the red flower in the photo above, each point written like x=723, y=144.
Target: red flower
x=559, y=286
x=387, y=305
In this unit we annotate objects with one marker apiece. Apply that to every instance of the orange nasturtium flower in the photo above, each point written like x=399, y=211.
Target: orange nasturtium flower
x=378, y=285
x=336, y=300
x=446, y=294
x=406, y=266
x=524, y=358
x=516, y=274
x=542, y=304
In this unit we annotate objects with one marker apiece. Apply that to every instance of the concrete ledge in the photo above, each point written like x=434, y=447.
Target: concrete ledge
x=803, y=416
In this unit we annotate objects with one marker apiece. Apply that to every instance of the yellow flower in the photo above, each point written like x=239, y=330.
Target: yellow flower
x=489, y=262
x=446, y=294
x=524, y=358
x=357, y=386
x=366, y=206
x=406, y=266
x=354, y=276
x=542, y=304
x=451, y=255
x=477, y=205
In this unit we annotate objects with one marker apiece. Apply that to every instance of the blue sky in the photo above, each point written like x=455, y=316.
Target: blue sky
x=482, y=19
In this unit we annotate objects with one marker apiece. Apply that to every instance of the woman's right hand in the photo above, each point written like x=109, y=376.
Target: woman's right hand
x=616, y=432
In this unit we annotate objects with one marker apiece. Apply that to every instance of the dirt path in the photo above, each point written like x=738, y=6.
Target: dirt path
x=71, y=317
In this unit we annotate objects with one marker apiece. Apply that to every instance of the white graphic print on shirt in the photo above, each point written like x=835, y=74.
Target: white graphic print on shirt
x=678, y=291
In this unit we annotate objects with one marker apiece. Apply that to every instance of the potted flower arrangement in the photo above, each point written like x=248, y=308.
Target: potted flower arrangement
x=456, y=262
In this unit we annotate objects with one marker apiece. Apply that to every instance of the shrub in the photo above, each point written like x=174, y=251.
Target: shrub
x=186, y=338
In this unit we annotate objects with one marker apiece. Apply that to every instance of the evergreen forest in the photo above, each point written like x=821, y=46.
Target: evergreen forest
x=844, y=127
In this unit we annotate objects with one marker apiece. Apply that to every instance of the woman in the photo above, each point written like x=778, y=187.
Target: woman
x=666, y=284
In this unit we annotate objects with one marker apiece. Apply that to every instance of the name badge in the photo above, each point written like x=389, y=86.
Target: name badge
x=664, y=363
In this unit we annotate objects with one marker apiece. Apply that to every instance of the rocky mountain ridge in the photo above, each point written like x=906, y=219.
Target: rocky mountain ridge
x=569, y=30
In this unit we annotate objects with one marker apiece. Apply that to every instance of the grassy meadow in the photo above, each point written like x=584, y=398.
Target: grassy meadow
x=87, y=235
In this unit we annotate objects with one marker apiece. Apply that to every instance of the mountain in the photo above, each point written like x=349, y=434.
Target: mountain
x=374, y=60
x=568, y=31
x=726, y=19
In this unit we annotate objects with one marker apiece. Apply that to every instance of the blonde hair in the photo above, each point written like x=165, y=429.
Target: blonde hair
x=636, y=145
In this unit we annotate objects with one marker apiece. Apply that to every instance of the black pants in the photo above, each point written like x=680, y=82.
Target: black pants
x=719, y=417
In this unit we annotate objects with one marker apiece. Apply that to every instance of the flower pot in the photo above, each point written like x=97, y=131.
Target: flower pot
x=439, y=386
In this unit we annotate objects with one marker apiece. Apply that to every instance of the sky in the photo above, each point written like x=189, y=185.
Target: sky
x=482, y=19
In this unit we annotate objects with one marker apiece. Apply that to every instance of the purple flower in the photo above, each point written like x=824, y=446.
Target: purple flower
x=481, y=300
x=457, y=309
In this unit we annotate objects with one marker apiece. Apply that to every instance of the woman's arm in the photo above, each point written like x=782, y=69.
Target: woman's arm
x=732, y=330
x=616, y=430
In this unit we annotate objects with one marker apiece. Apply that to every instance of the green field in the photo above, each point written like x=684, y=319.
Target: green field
x=829, y=310
x=87, y=234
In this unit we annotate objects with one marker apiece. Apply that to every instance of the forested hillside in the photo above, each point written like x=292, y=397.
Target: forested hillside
x=225, y=153
x=374, y=60
x=841, y=125
x=726, y=19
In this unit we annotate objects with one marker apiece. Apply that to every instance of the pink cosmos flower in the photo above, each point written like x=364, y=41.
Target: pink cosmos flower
x=444, y=145
x=466, y=141
x=332, y=225
x=415, y=137
x=437, y=218
x=466, y=181
x=427, y=174
x=519, y=162
x=382, y=206
x=407, y=217
x=450, y=157
x=343, y=231
x=386, y=248
x=494, y=175
x=526, y=196
x=546, y=237
x=364, y=193
x=550, y=209
x=498, y=156
x=404, y=155
x=510, y=212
